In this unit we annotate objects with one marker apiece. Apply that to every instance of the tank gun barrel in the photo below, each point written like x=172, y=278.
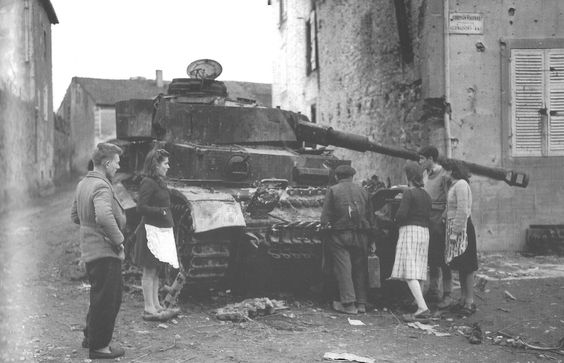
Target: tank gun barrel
x=322, y=135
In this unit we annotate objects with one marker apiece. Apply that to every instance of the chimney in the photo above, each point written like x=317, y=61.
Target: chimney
x=159, y=78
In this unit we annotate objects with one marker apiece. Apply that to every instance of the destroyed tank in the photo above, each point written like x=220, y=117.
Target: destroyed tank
x=247, y=188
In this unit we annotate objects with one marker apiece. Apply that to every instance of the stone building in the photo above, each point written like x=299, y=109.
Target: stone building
x=481, y=80
x=88, y=111
x=26, y=101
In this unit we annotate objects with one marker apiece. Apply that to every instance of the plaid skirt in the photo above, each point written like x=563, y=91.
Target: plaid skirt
x=411, y=254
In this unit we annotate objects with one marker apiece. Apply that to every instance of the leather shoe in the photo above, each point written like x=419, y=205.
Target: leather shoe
x=422, y=316
x=361, y=308
x=161, y=316
x=345, y=309
x=446, y=303
x=114, y=353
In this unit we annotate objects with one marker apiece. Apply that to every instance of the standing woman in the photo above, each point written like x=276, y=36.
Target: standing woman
x=460, y=238
x=412, y=217
x=155, y=238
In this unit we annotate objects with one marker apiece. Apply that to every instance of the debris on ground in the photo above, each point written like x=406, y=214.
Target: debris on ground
x=500, y=267
x=355, y=322
x=347, y=357
x=505, y=339
x=476, y=335
x=430, y=329
x=509, y=295
x=464, y=330
x=481, y=284
x=249, y=308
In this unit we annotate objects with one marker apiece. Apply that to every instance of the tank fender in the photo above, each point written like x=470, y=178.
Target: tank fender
x=212, y=210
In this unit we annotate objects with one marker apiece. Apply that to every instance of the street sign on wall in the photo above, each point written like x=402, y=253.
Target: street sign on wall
x=466, y=23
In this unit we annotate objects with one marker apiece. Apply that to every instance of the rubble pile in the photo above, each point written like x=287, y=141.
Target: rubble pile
x=249, y=308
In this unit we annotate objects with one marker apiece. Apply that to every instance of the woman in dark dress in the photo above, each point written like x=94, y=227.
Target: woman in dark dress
x=155, y=239
x=460, y=247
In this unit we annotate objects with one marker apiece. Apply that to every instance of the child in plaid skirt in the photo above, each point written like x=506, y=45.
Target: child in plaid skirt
x=412, y=217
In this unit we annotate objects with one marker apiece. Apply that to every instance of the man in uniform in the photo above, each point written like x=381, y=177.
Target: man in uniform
x=348, y=212
x=436, y=184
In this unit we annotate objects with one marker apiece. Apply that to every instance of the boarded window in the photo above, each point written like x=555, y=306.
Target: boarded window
x=537, y=85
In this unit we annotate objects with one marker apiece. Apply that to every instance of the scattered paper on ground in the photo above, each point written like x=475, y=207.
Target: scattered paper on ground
x=430, y=329
x=355, y=322
x=509, y=295
x=84, y=287
x=347, y=357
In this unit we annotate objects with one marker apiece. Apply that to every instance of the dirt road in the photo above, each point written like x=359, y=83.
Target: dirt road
x=42, y=312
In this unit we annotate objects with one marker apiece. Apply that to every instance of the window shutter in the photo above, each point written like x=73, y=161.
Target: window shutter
x=528, y=94
x=556, y=108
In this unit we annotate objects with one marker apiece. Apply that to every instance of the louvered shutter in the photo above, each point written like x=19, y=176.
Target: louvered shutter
x=556, y=108
x=528, y=98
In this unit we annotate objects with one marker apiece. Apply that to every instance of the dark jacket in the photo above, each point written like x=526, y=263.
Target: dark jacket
x=101, y=217
x=415, y=208
x=347, y=207
x=154, y=203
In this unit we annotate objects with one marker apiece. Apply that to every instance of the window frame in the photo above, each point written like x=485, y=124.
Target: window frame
x=507, y=45
x=282, y=12
x=311, y=43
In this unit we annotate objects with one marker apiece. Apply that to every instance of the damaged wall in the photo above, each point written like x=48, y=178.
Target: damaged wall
x=381, y=74
x=370, y=77
x=480, y=123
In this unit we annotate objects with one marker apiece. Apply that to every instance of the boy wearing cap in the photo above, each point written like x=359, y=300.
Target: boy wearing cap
x=436, y=184
x=347, y=210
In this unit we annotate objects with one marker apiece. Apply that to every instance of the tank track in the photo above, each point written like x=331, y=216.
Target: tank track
x=296, y=240
x=204, y=258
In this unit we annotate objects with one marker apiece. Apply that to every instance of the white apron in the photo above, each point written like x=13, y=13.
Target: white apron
x=160, y=242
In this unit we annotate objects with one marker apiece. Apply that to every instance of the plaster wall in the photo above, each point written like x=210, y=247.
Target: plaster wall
x=63, y=147
x=480, y=124
x=367, y=86
x=82, y=124
x=293, y=89
x=26, y=116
